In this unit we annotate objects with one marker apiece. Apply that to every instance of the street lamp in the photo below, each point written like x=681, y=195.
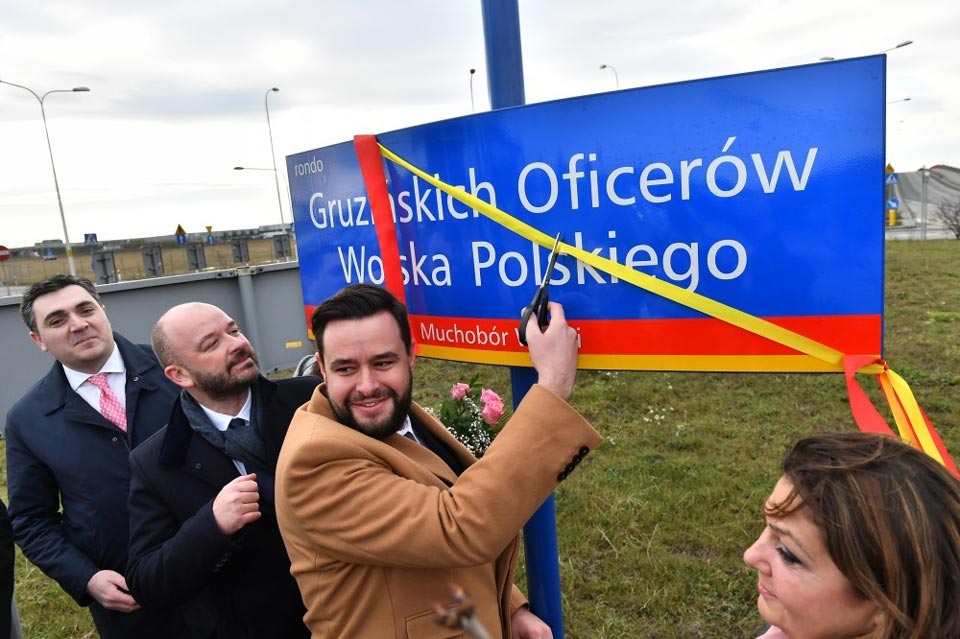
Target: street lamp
x=472, y=108
x=276, y=178
x=899, y=46
x=56, y=183
x=256, y=168
x=615, y=76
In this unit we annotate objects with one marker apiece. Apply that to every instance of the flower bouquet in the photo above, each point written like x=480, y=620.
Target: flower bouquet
x=472, y=414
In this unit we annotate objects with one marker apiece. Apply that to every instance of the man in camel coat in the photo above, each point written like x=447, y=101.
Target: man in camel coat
x=381, y=509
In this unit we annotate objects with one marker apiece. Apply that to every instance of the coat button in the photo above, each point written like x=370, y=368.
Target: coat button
x=197, y=466
x=136, y=378
x=115, y=438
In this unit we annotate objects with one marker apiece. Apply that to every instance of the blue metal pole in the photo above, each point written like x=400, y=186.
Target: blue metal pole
x=540, y=538
x=501, y=29
x=501, y=34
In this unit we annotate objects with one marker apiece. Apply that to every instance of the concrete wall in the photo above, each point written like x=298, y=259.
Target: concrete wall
x=266, y=301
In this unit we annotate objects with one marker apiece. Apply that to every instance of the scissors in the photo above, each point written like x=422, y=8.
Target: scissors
x=541, y=298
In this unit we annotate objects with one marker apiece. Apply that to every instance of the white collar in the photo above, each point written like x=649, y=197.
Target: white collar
x=114, y=364
x=221, y=421
x=407, y=428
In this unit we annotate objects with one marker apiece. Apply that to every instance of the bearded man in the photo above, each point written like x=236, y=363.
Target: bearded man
x=203, y=530
x=381, y=508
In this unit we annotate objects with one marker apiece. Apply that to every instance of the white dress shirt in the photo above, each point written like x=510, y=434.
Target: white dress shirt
x=116, y=377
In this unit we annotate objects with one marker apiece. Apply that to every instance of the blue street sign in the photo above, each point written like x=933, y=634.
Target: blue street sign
x=211, y=239
x=726, y=187
x=181, y=239
x=893, y=204
x=90, y=239
x=891, y=178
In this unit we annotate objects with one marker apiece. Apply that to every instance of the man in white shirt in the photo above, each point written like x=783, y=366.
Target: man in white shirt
x=68, y=439
x=202, y=523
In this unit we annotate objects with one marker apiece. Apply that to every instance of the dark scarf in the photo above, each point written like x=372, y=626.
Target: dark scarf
x=244, y=443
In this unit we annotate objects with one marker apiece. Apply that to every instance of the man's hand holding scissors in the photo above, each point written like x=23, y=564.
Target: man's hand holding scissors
x=552, y=342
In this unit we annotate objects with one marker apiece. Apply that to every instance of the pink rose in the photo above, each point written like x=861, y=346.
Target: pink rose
x=492, y=407
x=459, y=391
x=486, y=395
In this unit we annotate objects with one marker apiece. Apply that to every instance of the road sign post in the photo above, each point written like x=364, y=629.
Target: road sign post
x=728, y=191
x=750, y=208
x=181, y=235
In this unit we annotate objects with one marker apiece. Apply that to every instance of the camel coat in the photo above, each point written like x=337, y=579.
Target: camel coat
x=377, y=529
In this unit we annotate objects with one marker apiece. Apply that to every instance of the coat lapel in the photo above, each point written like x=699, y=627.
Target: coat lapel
x=207, y=464
x=422, y=456
x=56, y=394
x=138, y=363
x=436, y=428
x=411, y=450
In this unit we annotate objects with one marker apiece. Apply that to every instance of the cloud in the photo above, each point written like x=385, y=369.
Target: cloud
x=177, y=87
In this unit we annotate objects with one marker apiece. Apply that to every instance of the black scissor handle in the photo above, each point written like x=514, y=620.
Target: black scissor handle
x=540, y=299
x=538, y=305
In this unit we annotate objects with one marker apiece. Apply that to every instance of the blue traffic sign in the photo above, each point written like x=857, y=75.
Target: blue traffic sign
x=724, y=187
x=181, y=239
x=891, y=178
x=211, y=239
x=90, y=239
x=893, y=204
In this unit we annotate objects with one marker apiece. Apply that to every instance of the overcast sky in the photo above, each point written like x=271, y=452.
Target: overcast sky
x=177, y=87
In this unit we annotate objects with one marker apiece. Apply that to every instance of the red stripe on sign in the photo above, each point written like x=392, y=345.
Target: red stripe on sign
x=375, y=181
x=308, y=311
x=845, y=333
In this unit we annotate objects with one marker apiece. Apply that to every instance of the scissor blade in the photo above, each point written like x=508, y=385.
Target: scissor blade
x=554, y=253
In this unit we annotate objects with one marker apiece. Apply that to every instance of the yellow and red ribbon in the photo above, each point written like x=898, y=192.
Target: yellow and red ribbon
x=911, y=421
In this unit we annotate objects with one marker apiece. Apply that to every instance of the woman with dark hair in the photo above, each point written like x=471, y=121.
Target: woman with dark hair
x=862, y=539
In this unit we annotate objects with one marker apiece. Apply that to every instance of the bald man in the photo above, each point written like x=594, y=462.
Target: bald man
x=202, y=525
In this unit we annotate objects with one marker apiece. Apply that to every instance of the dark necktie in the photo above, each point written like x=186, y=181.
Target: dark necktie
x=239, y=439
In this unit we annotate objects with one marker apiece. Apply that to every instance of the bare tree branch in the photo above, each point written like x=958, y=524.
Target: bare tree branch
x=949, y=213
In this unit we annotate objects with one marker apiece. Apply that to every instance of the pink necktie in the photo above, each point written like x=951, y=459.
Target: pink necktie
x=109, y=404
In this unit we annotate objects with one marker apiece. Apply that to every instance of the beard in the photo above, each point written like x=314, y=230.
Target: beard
x=385, y=426
x=223, y=385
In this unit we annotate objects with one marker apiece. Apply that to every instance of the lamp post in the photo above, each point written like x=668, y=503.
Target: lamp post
x=899, y=46
x=257, y=168
x=616, y=77
x=472, y=108
x=925, y=174
x=905, y=43
x=56, y=183
x=273, y=155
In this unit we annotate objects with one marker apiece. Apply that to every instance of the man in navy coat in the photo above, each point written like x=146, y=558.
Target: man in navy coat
x=204, y=534
x=68, y=440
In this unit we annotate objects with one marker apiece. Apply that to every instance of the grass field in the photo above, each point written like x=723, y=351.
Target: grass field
x=653, y=523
